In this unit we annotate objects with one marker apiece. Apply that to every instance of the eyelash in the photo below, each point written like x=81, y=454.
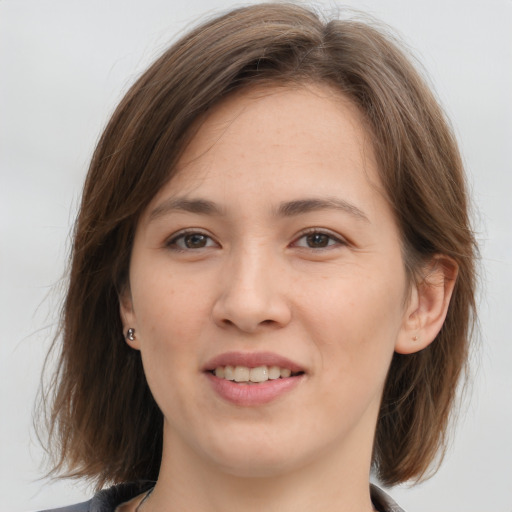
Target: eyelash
x=333, y=240
x=338, y=241
x=172, y=243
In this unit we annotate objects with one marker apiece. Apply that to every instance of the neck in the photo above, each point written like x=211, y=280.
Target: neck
x=322, y=485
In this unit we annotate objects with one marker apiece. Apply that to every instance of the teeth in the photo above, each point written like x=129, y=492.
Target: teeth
x=242, y=374
x=229, y=373
x=274, y=372
x=246, y=374
x=259, y=374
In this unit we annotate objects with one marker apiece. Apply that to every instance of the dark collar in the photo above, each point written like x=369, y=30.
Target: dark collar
x=108, y=499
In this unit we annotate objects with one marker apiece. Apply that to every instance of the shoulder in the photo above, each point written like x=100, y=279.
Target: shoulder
x=382, y=501
x=108, y=499
x=78, y=507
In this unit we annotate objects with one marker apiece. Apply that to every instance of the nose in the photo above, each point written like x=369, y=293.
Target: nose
x=252, y=293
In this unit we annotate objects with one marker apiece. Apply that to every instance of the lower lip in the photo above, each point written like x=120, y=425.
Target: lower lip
x=252, y=394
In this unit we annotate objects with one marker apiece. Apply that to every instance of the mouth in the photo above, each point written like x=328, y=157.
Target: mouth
x=256, y=375
x=253, y=379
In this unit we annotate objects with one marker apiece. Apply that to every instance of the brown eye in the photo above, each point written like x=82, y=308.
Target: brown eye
x=195, y=241
x=190, y=241
x=318, y=240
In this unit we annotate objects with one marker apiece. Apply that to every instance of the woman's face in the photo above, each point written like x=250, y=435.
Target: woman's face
x=272, y=257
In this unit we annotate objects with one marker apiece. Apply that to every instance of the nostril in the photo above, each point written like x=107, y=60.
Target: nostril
x=248, y=314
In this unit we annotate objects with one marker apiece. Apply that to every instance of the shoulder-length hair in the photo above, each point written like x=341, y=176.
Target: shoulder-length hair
x=104, y=423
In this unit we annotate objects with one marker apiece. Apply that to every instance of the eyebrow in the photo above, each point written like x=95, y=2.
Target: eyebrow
x=285, y=209
x=200, y=206
x=302, y=206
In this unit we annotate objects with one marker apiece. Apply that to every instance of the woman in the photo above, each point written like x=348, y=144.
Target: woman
x=272, y=279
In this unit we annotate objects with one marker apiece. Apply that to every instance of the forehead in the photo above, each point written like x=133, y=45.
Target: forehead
x=277, y=139
x=275, y=116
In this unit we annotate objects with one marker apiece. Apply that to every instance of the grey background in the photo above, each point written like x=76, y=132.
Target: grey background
x=64, y=64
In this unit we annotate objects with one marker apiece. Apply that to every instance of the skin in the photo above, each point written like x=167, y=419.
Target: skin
x=259, y=283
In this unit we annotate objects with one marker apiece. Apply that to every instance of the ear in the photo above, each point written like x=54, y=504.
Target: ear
x=427, y=306
x=128, y=316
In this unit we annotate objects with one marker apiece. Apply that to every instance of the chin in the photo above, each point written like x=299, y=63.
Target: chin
x=257, y=460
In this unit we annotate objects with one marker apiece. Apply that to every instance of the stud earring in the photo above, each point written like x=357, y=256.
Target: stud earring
x=415, y=338
x=130, y=334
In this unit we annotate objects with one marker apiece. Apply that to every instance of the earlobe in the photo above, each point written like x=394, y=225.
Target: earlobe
x=428, y=305
x=128, y=318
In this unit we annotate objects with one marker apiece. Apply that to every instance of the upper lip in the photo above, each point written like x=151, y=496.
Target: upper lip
x=251, y=360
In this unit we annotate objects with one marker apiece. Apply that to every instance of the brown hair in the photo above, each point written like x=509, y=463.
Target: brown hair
x=104, y=421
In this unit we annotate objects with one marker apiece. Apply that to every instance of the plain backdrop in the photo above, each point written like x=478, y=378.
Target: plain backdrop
x=64, y=64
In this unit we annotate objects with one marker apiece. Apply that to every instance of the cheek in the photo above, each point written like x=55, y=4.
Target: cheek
x=356, y=323
x=167, y=307
x=170, y=318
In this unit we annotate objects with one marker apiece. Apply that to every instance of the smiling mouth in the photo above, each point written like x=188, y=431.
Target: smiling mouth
x=257, y=375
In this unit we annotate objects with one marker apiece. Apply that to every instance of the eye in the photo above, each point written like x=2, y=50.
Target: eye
x=190, y=240
x=318, y=240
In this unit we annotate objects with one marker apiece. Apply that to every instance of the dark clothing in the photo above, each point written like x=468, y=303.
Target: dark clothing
x=108, y=499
